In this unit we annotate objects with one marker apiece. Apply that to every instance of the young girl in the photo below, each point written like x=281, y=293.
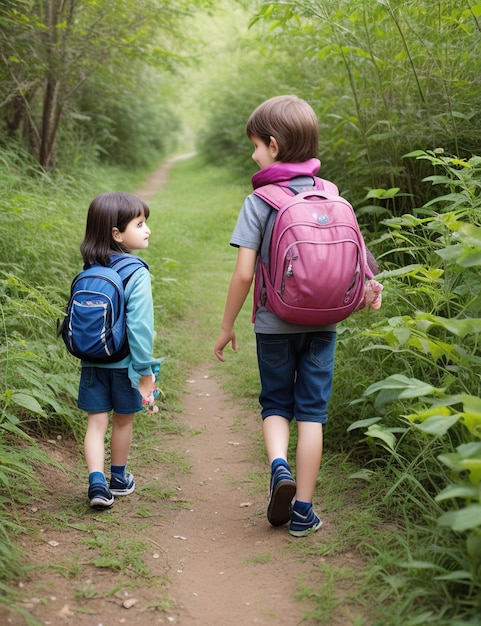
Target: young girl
x=295, y=362
x=116, y=224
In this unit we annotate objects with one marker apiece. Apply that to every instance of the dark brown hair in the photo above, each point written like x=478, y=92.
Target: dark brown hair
x=107, y=211
x=293, y=124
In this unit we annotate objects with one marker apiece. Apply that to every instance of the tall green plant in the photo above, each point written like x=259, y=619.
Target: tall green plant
x=432, y=332
x=54, y=53
x=386, y=77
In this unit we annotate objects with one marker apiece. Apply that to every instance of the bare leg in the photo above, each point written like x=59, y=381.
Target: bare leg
x=121, y=438
x=94, y=442
x=308, y=459
x=276, y=437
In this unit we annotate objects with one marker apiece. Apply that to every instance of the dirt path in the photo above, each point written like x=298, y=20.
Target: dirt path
x=229, y=566
x=213, y=558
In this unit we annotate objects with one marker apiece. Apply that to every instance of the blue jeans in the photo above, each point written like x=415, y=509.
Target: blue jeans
x=296, y=374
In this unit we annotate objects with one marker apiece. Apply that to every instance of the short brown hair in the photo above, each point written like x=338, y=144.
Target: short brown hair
x=293, y=124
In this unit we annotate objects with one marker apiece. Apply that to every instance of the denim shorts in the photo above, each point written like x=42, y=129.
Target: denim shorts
x=296, y=374
x=102, y=389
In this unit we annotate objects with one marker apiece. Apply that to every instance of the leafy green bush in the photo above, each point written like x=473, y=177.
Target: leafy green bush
x=427, y=413
x=385, y=78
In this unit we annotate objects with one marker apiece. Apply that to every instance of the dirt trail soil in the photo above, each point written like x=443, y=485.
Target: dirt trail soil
x=229, y=566
x=214, y=559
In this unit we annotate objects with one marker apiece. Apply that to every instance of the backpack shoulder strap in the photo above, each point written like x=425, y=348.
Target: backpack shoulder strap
x=275, y=195
x=326, y=185
x=126, y=264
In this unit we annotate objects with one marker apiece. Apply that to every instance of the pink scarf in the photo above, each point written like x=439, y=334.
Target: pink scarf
x=280, y=172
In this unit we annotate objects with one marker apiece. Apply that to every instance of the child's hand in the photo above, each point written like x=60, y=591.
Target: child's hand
x=146, y=388
x=151, y=407
x=373, y=294
x=223, y=339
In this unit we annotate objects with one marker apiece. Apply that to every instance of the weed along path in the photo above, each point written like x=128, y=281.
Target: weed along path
x=192, y=544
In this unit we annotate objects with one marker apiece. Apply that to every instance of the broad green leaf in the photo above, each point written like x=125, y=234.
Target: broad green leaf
x=470, y=403
x=458, y=327
x=27, y=402
x=437, y=180
x=464, y=490
x=475, y=9
x=420, y=416
x=464, y=519
x=451, y=254
x=378, y=432
x=402, y=271
x=437, y=425
x=407, y=219
x=363, y=474
x=382, y=194
x=472, y=421
x=470, y=233
x=406, y=387
x=470, y=259
x=470, y=450
x=363, y=423
x=460, y=464
x=415, y=153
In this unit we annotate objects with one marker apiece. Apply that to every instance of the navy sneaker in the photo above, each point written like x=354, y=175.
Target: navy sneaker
x=282, y=492
x=100, y=497
x=302, y=525
x=122, y=487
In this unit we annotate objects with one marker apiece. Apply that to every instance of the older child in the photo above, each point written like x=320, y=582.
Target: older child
x=295, y=362
x=116, y=224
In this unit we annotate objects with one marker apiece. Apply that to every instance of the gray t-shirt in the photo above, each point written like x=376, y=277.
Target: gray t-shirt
x=248, y=233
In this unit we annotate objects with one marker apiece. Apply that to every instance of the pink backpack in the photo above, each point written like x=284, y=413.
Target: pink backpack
x=312, y=268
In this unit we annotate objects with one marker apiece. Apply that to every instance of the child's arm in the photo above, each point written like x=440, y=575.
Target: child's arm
x=240, y=285
x=140, y=323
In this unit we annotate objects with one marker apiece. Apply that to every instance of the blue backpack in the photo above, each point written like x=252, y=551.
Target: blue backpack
x=94, y=328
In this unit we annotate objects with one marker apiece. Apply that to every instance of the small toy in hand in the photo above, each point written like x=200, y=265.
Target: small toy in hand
x=151, y=407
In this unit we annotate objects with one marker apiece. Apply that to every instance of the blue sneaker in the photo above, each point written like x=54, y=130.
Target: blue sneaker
x=282, y=492
x=100, y=497
x=302, y=525
x=122, y=487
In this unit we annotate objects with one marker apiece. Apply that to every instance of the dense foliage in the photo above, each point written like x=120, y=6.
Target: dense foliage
x=80, y=75
x=385, y=77
x=424, y=407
